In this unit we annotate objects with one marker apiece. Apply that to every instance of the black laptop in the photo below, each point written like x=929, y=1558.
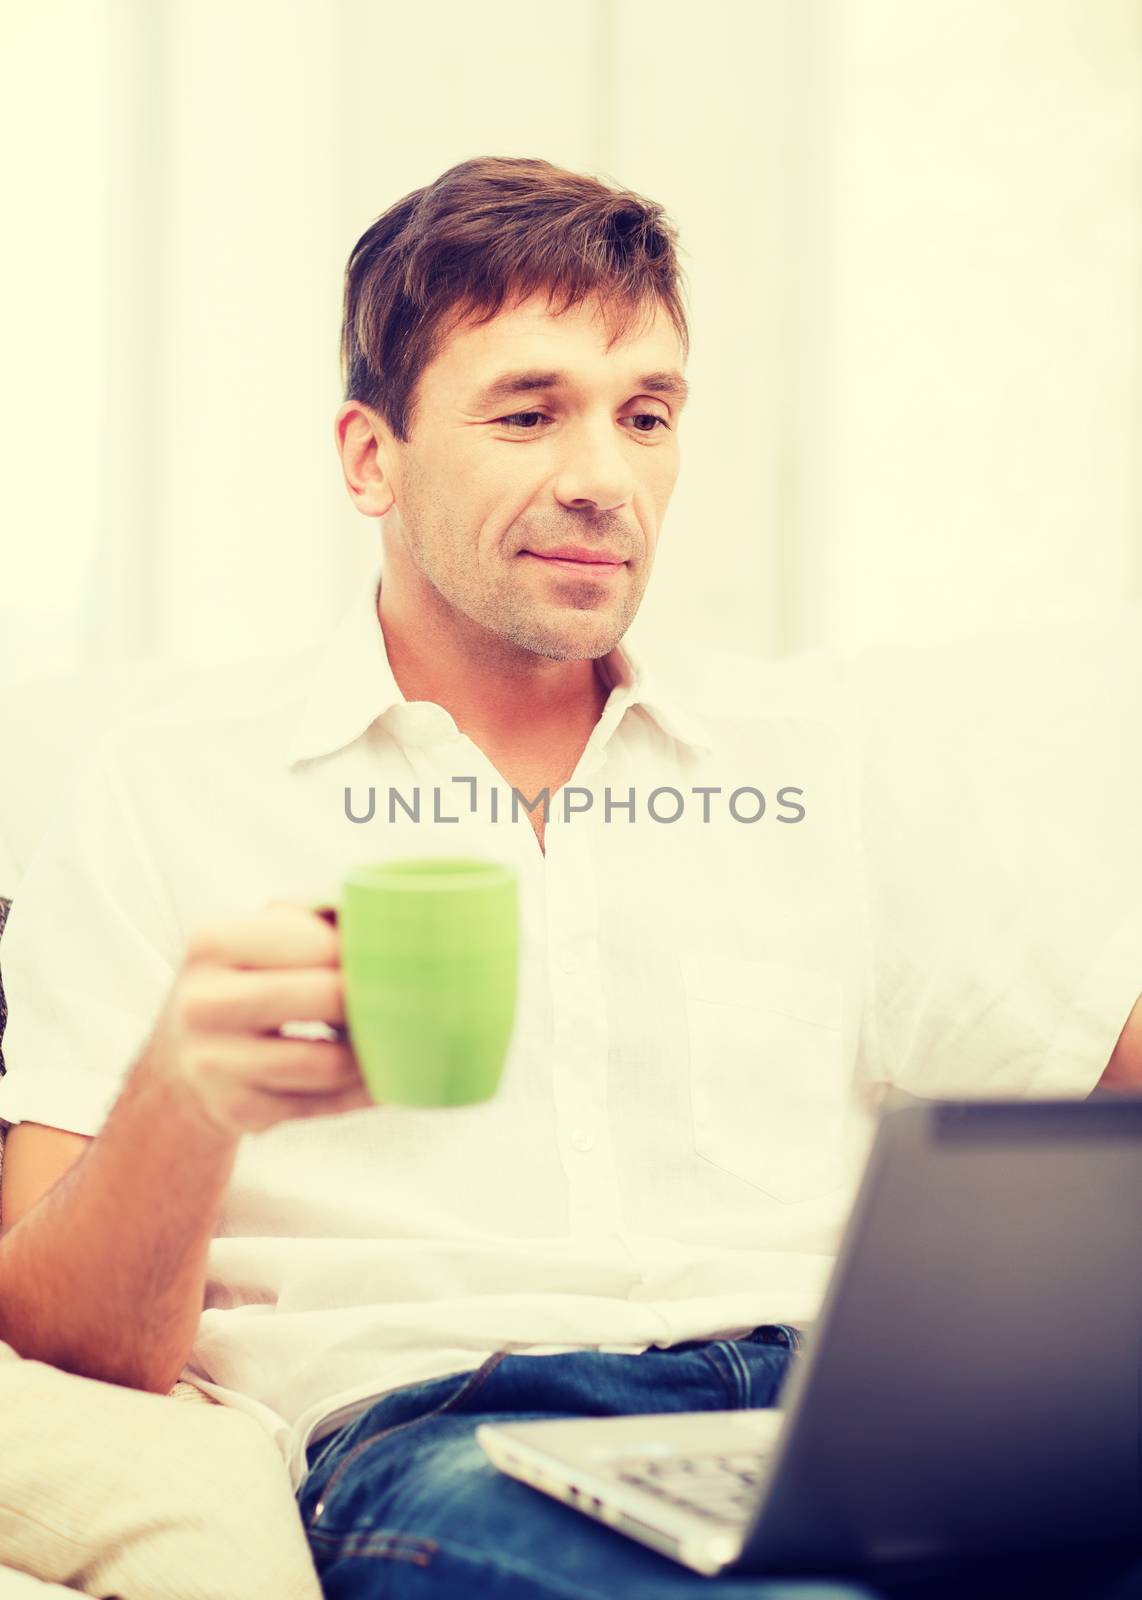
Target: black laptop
x=971, y=1390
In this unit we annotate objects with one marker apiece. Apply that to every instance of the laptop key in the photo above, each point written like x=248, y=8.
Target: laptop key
x=724, y=1516
x=717, y=1488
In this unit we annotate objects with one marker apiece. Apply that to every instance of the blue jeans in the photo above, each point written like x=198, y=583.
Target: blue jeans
x=403, y=1502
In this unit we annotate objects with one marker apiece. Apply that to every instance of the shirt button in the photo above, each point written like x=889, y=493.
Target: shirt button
x=582, y=1140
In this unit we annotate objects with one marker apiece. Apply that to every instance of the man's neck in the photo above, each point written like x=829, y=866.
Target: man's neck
x=503, y=698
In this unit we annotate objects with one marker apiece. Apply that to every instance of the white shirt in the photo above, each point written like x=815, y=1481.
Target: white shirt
x=708, y=1010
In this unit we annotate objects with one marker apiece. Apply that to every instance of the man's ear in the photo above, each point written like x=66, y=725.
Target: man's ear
x=367, y=457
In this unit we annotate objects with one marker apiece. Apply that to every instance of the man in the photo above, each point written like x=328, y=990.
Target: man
x=647, y=1211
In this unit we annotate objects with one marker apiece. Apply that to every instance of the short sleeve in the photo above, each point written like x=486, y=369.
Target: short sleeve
x=996, y=791
x=88, y=954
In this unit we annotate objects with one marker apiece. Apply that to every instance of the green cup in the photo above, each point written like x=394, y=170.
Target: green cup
x=430, y=960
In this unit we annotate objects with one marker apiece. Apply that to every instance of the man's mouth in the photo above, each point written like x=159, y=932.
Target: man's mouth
x=592, y=563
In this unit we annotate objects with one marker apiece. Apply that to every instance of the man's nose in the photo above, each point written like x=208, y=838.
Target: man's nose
x=597, y=469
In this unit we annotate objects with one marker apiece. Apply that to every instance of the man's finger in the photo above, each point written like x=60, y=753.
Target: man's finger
x=281, y=935
x=221, y=999
x=272, y=1065
x=356, y=1098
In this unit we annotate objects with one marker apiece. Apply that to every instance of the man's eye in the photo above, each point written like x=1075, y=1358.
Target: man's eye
x=514, y=420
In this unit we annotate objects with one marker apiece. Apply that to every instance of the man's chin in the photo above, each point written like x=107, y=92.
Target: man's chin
x=562, y=632
x=566, y=644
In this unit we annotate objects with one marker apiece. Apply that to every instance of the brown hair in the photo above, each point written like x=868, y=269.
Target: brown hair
x=491, y=228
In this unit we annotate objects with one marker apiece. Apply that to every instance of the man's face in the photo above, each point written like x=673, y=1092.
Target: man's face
x=492, y=482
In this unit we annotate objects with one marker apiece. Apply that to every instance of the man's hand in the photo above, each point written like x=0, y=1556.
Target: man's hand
x=218, y=1036
x=1124, y=1069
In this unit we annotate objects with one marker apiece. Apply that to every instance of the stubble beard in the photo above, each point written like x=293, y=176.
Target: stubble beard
x=590, y=629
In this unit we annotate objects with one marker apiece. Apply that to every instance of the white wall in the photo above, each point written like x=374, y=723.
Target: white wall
x=972, y=444
x=51, y=424
x=912, y=233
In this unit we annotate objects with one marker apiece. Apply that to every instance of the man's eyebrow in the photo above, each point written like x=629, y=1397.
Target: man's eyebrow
x=509, y=385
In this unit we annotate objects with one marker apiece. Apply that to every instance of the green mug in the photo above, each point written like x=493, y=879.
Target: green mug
x=430, y=960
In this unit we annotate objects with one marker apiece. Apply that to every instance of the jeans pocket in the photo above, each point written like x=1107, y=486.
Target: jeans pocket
x=769, y=1076
x=463, y=1383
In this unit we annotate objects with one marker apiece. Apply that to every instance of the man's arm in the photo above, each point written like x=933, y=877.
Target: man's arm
x=104, y=1274
x=1124, y=1069
x=36, y=1156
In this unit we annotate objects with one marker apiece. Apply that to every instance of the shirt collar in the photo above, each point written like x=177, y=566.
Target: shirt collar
x=353, y=686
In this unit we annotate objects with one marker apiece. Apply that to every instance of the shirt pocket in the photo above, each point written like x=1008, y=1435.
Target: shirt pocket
x=769, y=1074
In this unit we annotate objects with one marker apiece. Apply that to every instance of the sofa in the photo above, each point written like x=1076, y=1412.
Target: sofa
x=178, y=1547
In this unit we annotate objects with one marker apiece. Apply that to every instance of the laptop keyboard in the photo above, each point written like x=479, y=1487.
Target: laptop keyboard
x=720, y=1488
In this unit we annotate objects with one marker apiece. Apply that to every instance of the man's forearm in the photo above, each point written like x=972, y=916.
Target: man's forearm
x=104, y=1275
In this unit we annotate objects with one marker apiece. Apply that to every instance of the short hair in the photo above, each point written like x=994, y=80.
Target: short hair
x=486, y=230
